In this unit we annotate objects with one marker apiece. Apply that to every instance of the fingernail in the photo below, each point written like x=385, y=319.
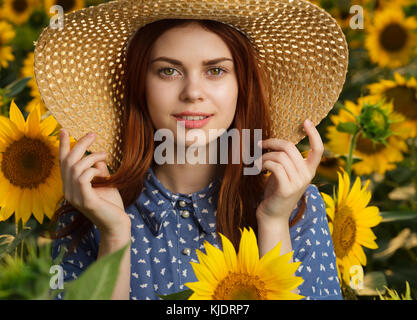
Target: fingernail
x=91, y=134
x=260, y=143
x=61, y=133
x=309, y=123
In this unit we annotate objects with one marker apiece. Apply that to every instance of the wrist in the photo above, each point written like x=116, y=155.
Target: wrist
x=121, y=231
x=269, y=221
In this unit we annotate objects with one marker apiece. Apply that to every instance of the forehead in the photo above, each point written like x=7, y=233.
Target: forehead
x=190, y=42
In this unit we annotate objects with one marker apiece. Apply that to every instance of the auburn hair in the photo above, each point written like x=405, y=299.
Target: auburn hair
x=239, y=195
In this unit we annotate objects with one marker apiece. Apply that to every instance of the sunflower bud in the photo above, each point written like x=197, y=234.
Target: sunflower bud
x=375, y=122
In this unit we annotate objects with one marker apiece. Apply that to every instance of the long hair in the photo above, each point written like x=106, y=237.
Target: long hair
x=239, y=194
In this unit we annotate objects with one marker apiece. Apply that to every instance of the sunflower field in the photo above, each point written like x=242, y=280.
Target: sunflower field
x=367, y=175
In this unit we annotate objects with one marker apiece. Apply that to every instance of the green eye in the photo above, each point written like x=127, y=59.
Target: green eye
x=169, y=73
x=220, y=71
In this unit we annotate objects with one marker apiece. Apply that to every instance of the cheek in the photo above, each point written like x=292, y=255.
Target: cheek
x=226, y=97
x=157, y=99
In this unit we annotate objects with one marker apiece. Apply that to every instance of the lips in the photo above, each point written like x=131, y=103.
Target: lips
x=192, y=114
x=193, y=119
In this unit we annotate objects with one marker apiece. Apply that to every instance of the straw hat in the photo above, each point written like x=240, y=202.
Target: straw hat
x=78, y=69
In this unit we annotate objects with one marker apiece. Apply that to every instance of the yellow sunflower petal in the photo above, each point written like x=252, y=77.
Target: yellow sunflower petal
x=203, y=273
x=5, y=213
x=48, y=125
x=16, y=117
x=248, y=255
x=33, y=121
x=229, y=253
x=360, y=254
x=215, y=261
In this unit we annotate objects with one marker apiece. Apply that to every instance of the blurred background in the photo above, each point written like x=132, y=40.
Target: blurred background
x=371, y=133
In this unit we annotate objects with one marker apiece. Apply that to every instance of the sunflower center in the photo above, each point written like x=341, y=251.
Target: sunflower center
x=344, y=232
x=405, y=100
x=240, y=286
x=67, y=5
x=19, y=6
x=366, y=146
x=329, y=162
x=393, y=37
x=27, y=163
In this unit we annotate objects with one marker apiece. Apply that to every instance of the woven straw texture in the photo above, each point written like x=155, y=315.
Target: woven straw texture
x=79, y=69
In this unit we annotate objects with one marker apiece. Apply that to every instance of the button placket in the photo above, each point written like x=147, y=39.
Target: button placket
x=184, y=212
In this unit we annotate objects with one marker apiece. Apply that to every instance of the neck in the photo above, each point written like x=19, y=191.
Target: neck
x=187, y=178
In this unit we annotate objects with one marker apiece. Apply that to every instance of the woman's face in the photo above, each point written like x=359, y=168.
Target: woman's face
x=191, y=83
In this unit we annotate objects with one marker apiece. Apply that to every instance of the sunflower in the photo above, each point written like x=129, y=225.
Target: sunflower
x=30, y=178
x=404, y=96
x=6, y=34
x=28, y=71
x=350, y=222
x=391, y=38
x=379, y=5
x=228, y=276
x=67, y=5
x=18, y=11
x=372, y=157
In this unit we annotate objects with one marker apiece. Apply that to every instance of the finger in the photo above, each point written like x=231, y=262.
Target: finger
x=277, y=170
x=282, y=158
x=102, y=166
x=290, y=149
x=86, y=162
x=316, y=144
x=85, y=180
x=80, y=148
x=64, y=148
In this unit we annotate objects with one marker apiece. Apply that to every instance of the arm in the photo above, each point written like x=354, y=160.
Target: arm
x=272, y=232
x=112, y=243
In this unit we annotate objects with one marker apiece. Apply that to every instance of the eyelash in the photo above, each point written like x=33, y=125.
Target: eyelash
x=169, y=76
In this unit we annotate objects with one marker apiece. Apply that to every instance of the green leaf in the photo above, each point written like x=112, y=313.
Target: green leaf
x=16, y=86
x=389, y=216
x=97, y=282
x=348, y=127
x=182, y=295
x=16, y=241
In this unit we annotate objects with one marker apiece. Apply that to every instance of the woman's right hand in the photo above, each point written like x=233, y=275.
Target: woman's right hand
x=102, y=206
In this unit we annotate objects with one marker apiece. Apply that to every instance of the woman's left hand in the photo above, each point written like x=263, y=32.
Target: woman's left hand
x=290, y=175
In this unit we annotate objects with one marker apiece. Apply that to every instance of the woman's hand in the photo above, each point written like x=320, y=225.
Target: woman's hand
x=102, y=206
x=291, y=175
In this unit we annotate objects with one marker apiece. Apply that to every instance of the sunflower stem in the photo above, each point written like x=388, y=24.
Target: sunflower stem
x=414, y=170
x=19, y=228
x=350, y=155
x=348, y=293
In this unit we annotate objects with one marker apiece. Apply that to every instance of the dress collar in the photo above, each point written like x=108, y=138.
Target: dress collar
x=153, y=192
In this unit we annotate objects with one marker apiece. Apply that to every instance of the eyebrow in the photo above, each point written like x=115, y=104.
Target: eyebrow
x=178, y=63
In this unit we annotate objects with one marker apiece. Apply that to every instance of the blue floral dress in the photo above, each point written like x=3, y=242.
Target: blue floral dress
x=167, y=228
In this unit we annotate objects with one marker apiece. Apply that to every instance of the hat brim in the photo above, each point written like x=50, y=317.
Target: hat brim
x=78, y=69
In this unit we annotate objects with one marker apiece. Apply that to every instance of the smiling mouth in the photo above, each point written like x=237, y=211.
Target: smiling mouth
x=193, y=121
x=193, y=118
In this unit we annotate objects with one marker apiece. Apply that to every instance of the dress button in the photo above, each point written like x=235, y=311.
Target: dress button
x=186, y=251
x=183, y=203
x=185, y=213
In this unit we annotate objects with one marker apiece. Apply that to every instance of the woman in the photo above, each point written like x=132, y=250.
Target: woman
x=169, y=210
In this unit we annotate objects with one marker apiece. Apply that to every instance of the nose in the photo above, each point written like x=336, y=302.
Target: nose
x=192, y=90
